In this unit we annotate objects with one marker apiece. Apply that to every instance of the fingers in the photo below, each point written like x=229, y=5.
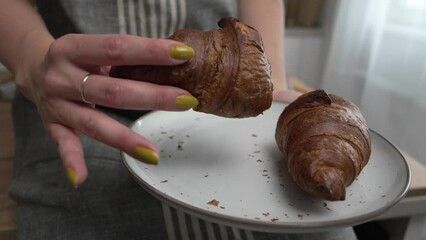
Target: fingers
x=60, y=87
x=117, y=93
x=128, y=94
x=71, y=57
x=101, y=127
x=121, y=50
x=96, y=125
x=70, y=151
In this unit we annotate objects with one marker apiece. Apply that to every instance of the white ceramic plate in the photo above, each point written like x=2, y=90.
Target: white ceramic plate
x=236, y=164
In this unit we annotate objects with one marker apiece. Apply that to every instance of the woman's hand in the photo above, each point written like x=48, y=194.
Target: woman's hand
x=55, y=84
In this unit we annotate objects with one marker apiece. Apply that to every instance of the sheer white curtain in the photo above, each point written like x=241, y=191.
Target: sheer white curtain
x=377, y=59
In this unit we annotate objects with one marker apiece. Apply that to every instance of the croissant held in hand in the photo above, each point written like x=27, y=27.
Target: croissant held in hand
x=229, y=75
x=325, y=141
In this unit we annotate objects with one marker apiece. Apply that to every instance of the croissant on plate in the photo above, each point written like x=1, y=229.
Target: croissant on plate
x=229, y=74
x=325, y=142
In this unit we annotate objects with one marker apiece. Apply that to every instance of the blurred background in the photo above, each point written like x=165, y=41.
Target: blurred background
x=370, y=52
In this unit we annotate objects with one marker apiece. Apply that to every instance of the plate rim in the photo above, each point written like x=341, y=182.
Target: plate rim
x=262, y=225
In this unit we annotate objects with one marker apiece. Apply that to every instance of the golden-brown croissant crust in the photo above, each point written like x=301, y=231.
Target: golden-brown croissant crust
x=325, y=142
x=229, y=74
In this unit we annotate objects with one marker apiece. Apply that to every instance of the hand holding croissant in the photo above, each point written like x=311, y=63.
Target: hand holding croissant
x=229, y=75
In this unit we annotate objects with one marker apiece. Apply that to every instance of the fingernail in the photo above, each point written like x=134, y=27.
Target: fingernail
x=72, y=177
x=186, y=102
x=181, y=52
x=147, y=155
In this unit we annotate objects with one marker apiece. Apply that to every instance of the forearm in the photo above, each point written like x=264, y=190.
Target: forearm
x=268, y=18
x=26, y=36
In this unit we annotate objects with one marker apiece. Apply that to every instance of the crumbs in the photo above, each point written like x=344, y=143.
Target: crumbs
x=215, y=203
x=179, y=141
x=179, y=147
x=325, y=205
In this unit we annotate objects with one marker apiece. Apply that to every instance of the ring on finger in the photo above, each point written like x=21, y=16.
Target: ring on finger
x=82, y=88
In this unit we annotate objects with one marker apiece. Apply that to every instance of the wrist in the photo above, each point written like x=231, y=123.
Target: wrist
x=33, y=49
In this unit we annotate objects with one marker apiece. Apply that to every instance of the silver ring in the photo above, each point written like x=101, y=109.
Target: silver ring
x=81, y=89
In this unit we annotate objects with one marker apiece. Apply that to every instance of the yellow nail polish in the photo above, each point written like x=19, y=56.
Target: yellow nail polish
x=146, y=155
x=181, y=52
x=186, y=102
x=72, y=177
